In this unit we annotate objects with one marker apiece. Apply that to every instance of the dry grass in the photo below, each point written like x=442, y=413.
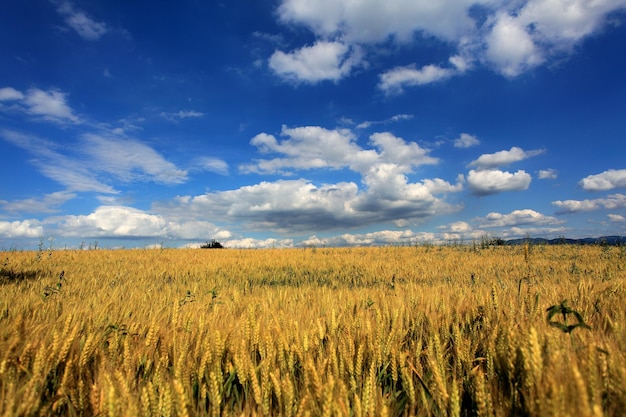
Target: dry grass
x=377, y=331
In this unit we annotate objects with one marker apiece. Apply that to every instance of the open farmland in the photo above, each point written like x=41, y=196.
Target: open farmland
x=391, y=331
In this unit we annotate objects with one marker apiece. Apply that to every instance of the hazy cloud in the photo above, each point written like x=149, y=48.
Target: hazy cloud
x=49, y=203
x=85, y=26
x=547, y=174
x=181, y=114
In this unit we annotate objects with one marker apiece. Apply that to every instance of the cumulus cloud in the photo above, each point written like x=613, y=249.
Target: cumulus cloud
x=21, y=229
x=311, y=147
x=510, y=48
x=492, y=181
x=86, y=27
x=509, y=37
x=611, y=202
x=127, y=222
x=465, y=141
x=547, y=174
x=503, y=158
x=376, y=21
x=382, y=237
x=607, y=180
x=517, y=218
x=322, y=61
x=251, y=243
x=289, y=206
x=387, y=194
x=49, y=105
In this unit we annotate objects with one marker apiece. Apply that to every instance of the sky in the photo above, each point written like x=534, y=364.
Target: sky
x=291, y=123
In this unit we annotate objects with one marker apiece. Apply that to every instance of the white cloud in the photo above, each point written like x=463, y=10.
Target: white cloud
x=616, y=218
x=466, y=140
x=562, y=23
x=460, y=227
x=21, y=229
x=387, y=196
x=10, y=94
x=125, y=222
x=311, y=147
x=607, y=180
x=376, y=21
x=382, y=237
x=71, y=172
x=322, y=61
x=130, y=160
x=394, y=80
x=98, y=158
x=510, y=48
x=503, y=158
x=548, y=174
x=210, y=164
x=611, y=202
x=48, y=104
x=492, y=181
x=86, y=27
x=48, y=204
x=513, y=37
x=251, y=243
x=289, y=206
x=181, y=114
x=395, y=118
x=517, y=218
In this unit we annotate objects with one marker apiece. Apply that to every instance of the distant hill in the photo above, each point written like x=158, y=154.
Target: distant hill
x=603, y=240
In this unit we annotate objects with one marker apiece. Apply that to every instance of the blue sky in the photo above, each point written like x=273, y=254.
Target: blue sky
x=300, y=122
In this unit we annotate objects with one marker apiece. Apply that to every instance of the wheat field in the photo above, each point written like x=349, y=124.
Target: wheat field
x=388, y=331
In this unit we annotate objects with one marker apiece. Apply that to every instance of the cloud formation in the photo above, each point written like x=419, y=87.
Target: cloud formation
x=49, y=105
x=607, y=180
x=21, y=229
x=517, y=218
x=493, y=181
x=127, y=222
x=611, y=202
x=86, y=27
x=466, y=141
x=319, y=62
x=503, y=158
x=509, y=37
x=89, y=164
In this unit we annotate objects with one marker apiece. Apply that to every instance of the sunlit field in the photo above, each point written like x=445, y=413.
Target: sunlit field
x=427, y=330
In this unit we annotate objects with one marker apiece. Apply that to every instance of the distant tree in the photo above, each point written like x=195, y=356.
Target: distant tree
x=213, y=244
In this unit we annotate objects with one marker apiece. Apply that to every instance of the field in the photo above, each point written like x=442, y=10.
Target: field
x=426, y=330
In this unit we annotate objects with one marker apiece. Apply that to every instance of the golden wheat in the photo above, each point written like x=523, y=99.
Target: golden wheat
x=356, y=331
